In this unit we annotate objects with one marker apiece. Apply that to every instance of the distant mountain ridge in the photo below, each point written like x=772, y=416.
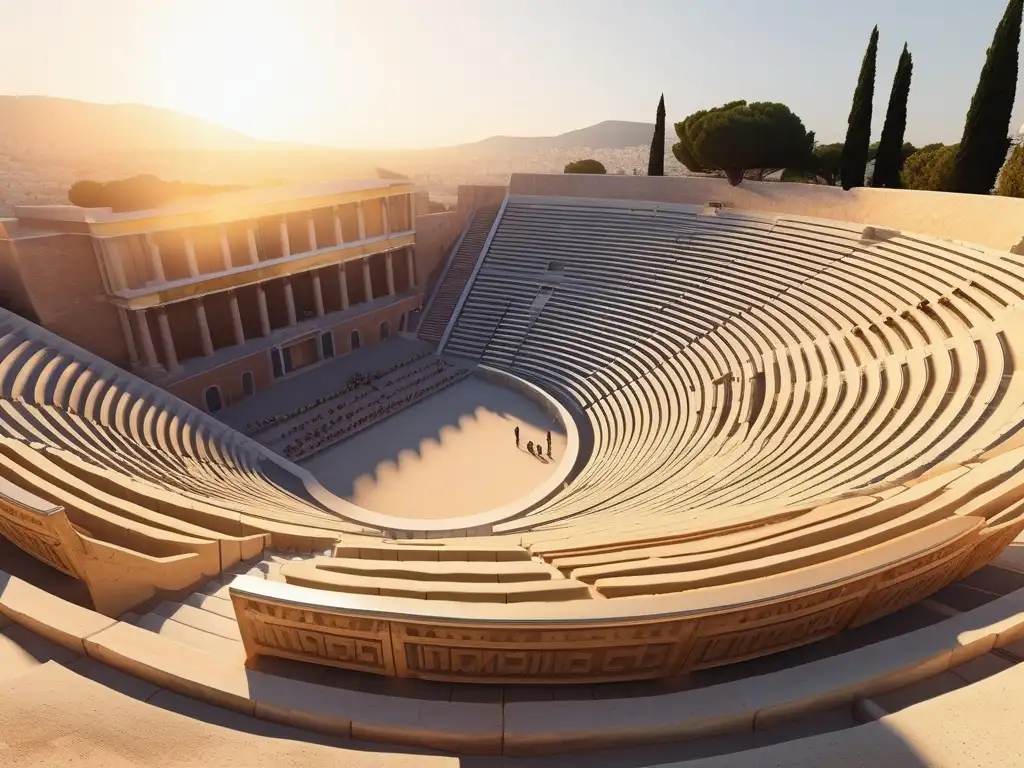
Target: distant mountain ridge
x=608, y=134
x=68, y=127
x=58, y=126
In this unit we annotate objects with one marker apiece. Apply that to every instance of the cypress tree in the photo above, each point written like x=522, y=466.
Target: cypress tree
x=985, y=140
x=858, y=132
x=656, y=162
x=889, y=159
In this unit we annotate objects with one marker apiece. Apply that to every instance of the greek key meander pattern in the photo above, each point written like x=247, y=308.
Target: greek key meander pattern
x=530, y=664
x=593, y=653
x=29, y=532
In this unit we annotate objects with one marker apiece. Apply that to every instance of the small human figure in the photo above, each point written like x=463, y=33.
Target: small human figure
x=517, y=437
x=529, y=447
x=549, y=443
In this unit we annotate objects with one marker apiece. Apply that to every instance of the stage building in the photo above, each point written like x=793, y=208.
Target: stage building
x=216, y=297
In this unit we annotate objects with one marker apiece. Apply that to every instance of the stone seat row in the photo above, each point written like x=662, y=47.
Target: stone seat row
x=88, y=397
x=742, y=471
x=888, y=346
x=944, y=729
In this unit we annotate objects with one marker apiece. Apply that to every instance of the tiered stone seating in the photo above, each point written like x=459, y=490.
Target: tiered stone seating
x=797, y=430
x=773, y=431
x=112, y=482
x=456, y=274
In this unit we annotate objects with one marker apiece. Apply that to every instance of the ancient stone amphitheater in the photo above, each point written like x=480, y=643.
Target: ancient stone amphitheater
x=786, y=537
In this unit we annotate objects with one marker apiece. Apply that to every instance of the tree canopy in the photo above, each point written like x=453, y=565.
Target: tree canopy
x=1011, y=180
x=828, y=162
x=889, y=159
x=930, y=168
x=858, y=130
x=585, y=166
x=738, y=137
x=985, y=139
x=138, y=193
x=656, y=162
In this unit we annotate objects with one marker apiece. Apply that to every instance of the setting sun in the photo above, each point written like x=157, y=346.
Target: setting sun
x=241, y=63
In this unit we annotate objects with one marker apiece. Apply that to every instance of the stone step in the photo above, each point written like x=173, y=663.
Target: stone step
x=22, y=651
x=195, y=638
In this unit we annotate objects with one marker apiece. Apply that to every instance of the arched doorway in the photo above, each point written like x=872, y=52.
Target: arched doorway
x=385, y=330
x=213, y=401
x=248, y=383
x=355, y=340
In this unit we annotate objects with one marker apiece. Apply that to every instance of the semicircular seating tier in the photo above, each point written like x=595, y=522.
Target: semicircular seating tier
x=792, y=427
x=795, y=427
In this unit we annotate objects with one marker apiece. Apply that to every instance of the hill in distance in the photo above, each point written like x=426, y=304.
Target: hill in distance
x=48, y=143
x=48, y=125
x=608, y=134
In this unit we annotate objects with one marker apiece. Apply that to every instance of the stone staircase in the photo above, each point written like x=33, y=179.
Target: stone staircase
x=205, y=619
x=453, y=280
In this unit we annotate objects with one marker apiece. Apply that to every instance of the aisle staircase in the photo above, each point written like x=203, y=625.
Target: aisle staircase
x=453, y=280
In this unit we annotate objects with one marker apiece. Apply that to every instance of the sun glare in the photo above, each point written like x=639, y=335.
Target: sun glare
x=235, y=62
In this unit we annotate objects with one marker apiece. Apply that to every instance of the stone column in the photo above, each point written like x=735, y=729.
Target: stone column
x=261, y=301
x=412, y=211
x=254, y=253
x=367, y=282
x=190, y=255
x=343, y=286
x=362, y=220
x=390, y=267
x=129, y=338
x=236, y=318
x=311, y=232
x=145, y=337
x=339, y=235
x=115, y=267
x=318, y=296
x=286, y=250
x=154, y=259
x=385, y=217
x=204, y=328
x=289, y=302
x=225, y=247
x=168, y=340
x=410, y=266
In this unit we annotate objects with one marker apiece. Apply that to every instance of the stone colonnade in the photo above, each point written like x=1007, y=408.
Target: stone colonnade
x=135, y=324
x=113, y=258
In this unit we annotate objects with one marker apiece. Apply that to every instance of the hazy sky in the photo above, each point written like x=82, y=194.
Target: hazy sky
x=431, y=72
